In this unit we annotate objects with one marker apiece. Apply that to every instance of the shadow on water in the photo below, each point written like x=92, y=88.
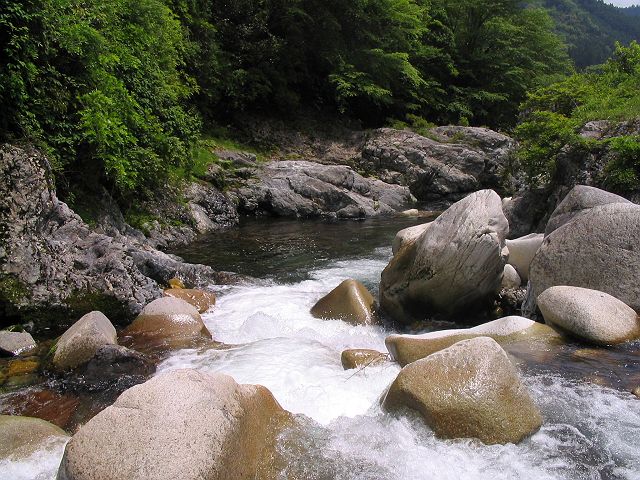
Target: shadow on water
x=286, y=250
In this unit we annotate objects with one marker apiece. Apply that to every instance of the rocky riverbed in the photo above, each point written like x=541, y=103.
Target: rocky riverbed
x=391, y=347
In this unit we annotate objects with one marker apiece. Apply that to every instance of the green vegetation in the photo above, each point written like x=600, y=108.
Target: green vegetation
x=553, y=117
x=591, y=27
x=117, y=91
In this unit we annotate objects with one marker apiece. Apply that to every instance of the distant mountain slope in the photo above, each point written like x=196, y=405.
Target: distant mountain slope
x=632, y=11
x=591, y=27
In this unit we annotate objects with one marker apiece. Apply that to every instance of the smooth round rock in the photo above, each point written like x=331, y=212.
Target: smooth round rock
x=80, y=342
x=22, y=436
x=15, y=343
x=406, y=349
x=350, y=301
x=184, y=424
x=590, y=315
x=510, y=278
x=360, y=357
x=578, y=201
x=200, y=299
x=469, y=390
x=168, y=318
x=598, y=250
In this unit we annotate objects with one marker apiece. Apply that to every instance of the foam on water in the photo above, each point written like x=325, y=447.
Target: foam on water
x=40, y=465
x=589, y=432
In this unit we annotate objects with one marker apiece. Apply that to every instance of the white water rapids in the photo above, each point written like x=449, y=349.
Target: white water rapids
x=589, y=432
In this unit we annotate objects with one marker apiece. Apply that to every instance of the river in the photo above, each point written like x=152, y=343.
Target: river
x=589, y=431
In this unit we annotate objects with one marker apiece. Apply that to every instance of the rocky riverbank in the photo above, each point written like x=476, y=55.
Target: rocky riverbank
x=460, y=268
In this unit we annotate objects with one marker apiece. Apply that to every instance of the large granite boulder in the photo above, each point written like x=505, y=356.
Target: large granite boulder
x=589, y=315
x=596, y=250
x=578, y=201
x=167, y=321
x=469, y=390
x=521, y=253
x=406, y=349
x=82, y=340
x=22, y=436
x=452, y=163
x=350, y=301
x=14, y=343
x=182, y=424
x=307, y=189
x=455, y=265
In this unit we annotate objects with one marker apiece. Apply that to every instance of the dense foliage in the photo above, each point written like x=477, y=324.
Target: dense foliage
x=117, y=89
x=591, y=27
x=553, y=117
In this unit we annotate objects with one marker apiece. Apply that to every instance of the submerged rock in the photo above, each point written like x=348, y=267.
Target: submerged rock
x=307, y=189
x=597, y=250
x=15, y=343
x=22, y=436
x=350, y=301
x=82, y=340
x=455, y=265
x=200, y=299
x=183, y=424
x=578, y=201
x=406, y=349
x=114, y=368
x=469, y=390
x=360, y=357
x=521, y=253
x=590, y=315
x=167, y=320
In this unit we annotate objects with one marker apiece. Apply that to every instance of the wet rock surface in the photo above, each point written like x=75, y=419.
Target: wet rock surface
x=15, y=343
x=350, y=301
x=469, y=390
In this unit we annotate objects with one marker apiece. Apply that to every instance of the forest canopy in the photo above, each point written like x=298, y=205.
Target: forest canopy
x=120, y=89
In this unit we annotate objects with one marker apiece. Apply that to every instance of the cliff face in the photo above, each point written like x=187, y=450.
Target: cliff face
x=54, y=267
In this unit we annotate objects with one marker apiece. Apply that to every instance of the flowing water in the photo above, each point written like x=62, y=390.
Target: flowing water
x=589, y=431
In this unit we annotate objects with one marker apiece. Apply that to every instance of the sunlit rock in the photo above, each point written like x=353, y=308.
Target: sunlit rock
x=184, y=425
x=469, y=390
x=22, y=436
x=359, y=358
x=455, y=265
x=350, y=301
x=596, y=250
x=15, y=343
x=200, y=299
x=408, y=236
x=406, y=349
x=169, y=320
x=578, y=201
x=81, y=341
x=510, y=277
x=590, y=315
x=521, y=253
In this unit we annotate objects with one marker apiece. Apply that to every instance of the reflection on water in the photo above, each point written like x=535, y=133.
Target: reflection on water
x=287, y=250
